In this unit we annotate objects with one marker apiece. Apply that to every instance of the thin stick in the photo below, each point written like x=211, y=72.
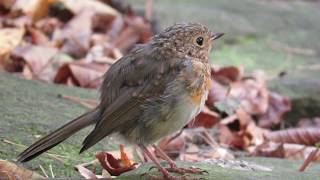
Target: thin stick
x=88, y=163
x=53, y=156
x=213, y=143
x=309, y=159
x=51, y=170
x=43, y=171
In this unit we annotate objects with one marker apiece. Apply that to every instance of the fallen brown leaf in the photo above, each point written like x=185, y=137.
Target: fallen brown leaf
x=36, y=9
x=226, y=75
x=278, y=106
x=76, y=34
x=81, y=74
x=304, y=136
x=11, y=171
x=288, y=151
x=38, y=61
x=113, y=165
x=94, y=5
x=9, y=39
x=137, y=30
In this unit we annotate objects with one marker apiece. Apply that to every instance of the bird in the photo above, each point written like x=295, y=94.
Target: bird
x=149, y=93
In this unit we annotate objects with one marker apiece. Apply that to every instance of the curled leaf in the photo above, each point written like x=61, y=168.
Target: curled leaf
x=113, y=165
x=305, y=136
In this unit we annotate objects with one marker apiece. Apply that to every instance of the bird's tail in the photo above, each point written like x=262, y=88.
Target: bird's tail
x=59, y=135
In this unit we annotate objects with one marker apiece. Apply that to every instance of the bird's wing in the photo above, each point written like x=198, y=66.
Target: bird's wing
x=127, y=83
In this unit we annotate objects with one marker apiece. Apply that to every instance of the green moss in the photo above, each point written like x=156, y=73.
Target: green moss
x=29, y=109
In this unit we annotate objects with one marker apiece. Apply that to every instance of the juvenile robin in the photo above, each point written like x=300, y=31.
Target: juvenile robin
x=151, y=92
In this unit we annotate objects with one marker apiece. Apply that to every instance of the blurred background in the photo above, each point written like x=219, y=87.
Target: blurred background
x=265, y=71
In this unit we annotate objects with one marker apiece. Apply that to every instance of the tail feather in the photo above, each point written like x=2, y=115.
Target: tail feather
x=59, y=135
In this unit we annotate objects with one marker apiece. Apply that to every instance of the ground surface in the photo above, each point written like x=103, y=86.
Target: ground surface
x=30, y=108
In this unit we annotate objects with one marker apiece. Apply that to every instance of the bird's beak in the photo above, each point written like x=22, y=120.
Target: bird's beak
x=215, y=36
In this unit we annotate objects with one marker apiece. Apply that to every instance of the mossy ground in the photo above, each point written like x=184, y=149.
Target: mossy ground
x=29, y=109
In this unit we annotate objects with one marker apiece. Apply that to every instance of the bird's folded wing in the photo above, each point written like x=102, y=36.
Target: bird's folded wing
x=124, y=89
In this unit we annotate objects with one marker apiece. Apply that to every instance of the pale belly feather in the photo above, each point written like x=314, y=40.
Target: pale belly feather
x=174, y=119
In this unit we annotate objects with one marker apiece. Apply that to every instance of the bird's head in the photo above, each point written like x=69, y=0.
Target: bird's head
x=187, y=40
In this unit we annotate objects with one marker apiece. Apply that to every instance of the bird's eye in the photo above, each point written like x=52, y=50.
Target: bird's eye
x=199, y=41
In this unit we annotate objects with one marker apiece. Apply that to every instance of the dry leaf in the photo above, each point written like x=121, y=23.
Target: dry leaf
x=76, y=34
x=226, y=75
x=252, y=93
x=96, y=6
x=9, y=39
x=277, y=107
x=38, y=61
x=38, y=37
x=288, y=151
x=241, y=132
x=113, y=165
x=36, y=9
x=11, y=171
x=305, y=136
x=137, y=30
x=81, y=74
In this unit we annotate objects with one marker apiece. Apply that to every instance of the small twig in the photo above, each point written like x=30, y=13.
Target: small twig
x=96, y=161
x=51, y=171
x=53, y=156
x=43, y=171
x=309, y=159
x=211, y=140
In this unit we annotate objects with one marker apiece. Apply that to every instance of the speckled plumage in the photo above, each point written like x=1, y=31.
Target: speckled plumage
x=149, y=93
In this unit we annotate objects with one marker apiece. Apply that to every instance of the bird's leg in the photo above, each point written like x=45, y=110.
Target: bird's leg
x=173, y=165
x=164, y=171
